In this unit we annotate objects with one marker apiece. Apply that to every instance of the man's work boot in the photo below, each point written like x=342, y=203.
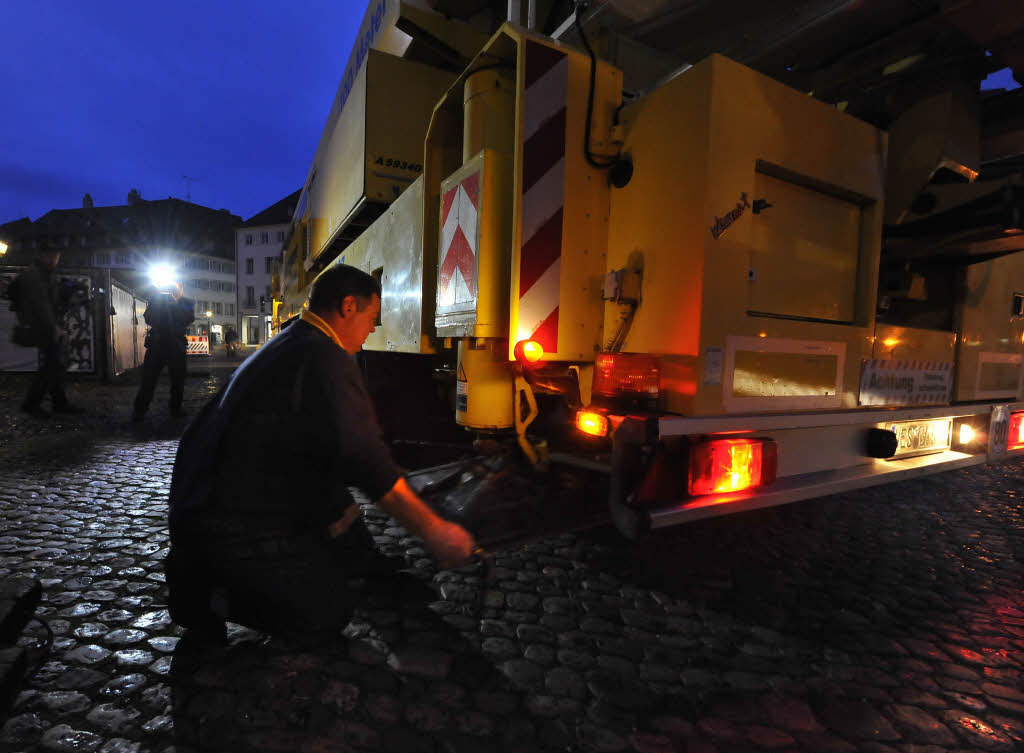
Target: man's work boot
x=188, y=600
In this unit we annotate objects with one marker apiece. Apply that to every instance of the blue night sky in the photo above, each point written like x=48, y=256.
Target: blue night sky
x=106, y=96
x=102, y=97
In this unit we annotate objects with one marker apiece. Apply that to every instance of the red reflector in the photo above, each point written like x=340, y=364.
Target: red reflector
x=731, y=465
x=528, y=352
x=1015, y=440
x=635, y=374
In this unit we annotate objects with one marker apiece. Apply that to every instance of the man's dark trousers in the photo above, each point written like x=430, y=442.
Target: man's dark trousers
x=49, y=377
x=157, y=357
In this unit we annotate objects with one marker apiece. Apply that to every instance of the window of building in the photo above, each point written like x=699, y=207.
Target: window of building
x=248, y=239
x=229, y=267
x=123, y=259
x=280, y=236
x=270, y=264
x=267, y=294
x=248, y=266
x=103, y=260
x=231, y=309
x=214, y=266
x=193, y=283
x=250, y=295
x=265, y=238
x=204, y=284
x=218, y=308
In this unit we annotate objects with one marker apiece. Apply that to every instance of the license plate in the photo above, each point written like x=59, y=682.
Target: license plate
x=918, y=437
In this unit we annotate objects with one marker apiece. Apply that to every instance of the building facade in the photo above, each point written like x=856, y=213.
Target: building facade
x=196, y=242
x=259, y=243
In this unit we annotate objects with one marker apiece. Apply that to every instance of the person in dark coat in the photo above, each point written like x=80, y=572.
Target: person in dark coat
x=167, y=316
x=264, y=528
x=38, y=295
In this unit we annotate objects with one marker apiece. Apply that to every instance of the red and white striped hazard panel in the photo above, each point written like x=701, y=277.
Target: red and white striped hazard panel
x=544, y=121
x=456, y=282
x=910, y=382
x=198, y=345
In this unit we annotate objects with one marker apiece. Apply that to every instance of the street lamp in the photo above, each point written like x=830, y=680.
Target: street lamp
x=209, y=328
x=3, y=248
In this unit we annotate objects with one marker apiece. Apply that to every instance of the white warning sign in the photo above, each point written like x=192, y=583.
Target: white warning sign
x=890, y=382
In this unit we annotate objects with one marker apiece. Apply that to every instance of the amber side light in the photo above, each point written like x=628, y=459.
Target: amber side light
x=591, y=423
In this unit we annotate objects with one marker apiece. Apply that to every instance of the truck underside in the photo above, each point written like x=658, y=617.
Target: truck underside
x=687, y=259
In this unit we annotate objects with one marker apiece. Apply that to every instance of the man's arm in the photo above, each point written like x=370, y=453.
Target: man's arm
x=449, y=542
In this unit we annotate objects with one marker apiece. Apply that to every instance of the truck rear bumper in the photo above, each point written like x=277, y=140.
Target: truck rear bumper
x=818, y=454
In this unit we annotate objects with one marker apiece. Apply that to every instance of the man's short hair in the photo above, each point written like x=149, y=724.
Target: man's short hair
x=337, y=283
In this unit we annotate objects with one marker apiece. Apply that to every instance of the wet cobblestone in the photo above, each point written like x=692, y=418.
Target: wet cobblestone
x=889, y=619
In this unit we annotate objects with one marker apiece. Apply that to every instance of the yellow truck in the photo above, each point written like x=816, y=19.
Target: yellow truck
x=717, y=281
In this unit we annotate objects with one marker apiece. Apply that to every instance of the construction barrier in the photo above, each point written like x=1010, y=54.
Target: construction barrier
x=198, y=345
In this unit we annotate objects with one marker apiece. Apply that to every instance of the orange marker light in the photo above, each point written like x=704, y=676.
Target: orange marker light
x=594, y=424
x=528, y=352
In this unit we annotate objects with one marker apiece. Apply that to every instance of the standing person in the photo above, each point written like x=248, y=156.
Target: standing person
x=37, y=299
x=167, y=316
x=231, y=341
x=264, y=529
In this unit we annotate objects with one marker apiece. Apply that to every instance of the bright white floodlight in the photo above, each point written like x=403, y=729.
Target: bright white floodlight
x=161, y=275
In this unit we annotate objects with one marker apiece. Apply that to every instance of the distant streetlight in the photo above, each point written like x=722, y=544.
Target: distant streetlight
x=3, y=248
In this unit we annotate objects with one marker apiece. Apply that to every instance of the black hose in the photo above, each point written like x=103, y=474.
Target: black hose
x=599, y=165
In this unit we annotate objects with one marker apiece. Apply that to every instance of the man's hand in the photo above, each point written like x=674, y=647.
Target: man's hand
x=451, y=544
x=340, y=526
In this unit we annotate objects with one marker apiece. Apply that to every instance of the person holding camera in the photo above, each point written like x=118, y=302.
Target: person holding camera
x=167, y=315
x=37, y=301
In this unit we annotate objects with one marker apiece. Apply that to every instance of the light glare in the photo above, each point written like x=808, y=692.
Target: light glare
x=161, y=275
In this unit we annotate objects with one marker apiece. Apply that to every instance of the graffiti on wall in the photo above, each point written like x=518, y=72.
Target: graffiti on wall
x=76, y=320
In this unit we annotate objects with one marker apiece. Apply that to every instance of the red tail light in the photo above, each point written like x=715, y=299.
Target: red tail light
x=731, y=465
x=634, y=375
x=1015, y=440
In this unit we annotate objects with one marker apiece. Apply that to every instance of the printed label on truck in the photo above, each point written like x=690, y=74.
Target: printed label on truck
x=891, y=382
x=461, y=397
x=712, y=367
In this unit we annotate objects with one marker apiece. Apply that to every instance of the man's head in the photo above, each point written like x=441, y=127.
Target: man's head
x=347, y=299
x=47, y=255
x=176, y=291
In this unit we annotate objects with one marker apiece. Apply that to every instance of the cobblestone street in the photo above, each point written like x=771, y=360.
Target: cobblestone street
x=881, y=621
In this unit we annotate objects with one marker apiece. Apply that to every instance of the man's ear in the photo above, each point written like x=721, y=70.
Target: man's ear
x=348, y=305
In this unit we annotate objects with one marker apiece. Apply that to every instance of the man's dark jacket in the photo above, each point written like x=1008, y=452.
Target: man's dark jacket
x=274, y=452
x=37, y=302
x=168, y=319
